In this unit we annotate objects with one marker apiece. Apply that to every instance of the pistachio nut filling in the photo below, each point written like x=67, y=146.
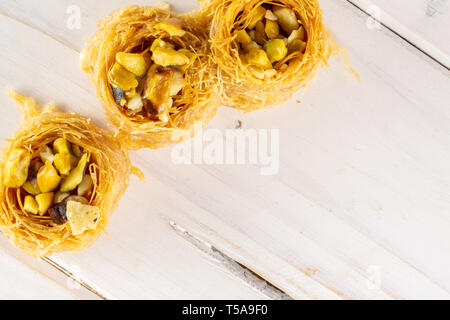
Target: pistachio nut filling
x=146, y=81
x=54, y=182
x=269, y=39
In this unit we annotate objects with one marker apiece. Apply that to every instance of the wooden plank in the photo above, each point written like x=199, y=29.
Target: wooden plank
x=62, y=27
x=19, y=282
x=161, y=265
x=23, y=277
x=357, y=198
x=424, y=23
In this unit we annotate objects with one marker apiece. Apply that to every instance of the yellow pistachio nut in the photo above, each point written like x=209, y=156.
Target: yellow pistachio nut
x=191, y=55
x=60, y=196
x=176, y=83
x=75, y=176
x=63, y=163
x=260, y=33
x=15, y=171
x=30, y=205
x=48, y=178
x=286, y=18
x=300, y=34
x=157, y=88
x=44, y=201
x=258, y=14
x=258, y=57
x=121, y=78
x=61, y=145
x=243, y=37
x=272, y=29
x=276, y=50
x=296, y=45
x=158, y=43
x=133, y=62
x=169, y=57
x=46, y=154
x=31, y=187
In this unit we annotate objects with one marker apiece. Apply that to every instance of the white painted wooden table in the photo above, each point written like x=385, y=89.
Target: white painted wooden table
x=360, y=208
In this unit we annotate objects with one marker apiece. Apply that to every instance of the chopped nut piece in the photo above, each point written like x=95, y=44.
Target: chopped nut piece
x=133, y=62
x=75, y=176
x=260, y=35
x=258, y=14
x=130, y=94
x=135, y=104
x=276, y=50
x=272, y=29
x=157, y=88
x=61, y=196
x=62, y=163
x=270, y=16
x=176, y=83
x=30, y=205
x=169, y=57
x=46, y=154
x=85, y=185
x=121, y=78
x=58, y=214
x=61, y=145
x=296, y=45
x=286, y=18
x=44, y=201
x=172, y=30
x=48, y=178
x=297, y=34
x=31, y=187
x=118, y=94
x=15, y=171
x=258, y=57
x=249, y=46
x=191, y=55
x=258, y=72
x=79, y=199
x=158, y=43
x=243, y=37
x=82, y=217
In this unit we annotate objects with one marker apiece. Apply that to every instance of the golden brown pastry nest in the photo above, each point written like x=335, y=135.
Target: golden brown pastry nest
x=110, y=169
x=241, y=89
x=130, y=27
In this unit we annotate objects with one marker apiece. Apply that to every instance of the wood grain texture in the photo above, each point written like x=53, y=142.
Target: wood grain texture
x=23, y=277
x=163, y=264
x=363, y=189
x=424, y=23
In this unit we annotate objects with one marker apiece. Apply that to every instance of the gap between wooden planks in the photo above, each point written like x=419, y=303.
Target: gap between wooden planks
x=337, y=266
x=23, y=277
x=424, y=24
